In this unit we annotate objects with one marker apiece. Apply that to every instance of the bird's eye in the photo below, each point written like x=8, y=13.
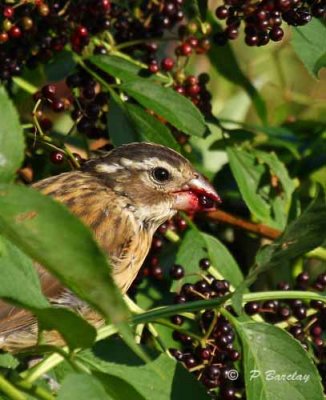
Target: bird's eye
x=161, y=174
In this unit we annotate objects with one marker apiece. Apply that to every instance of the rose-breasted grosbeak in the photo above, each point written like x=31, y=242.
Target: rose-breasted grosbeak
x=123, y=197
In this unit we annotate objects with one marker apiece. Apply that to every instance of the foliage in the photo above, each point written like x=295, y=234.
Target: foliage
x=229, y=304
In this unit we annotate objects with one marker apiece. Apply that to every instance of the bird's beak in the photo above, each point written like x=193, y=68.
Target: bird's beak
x=198, y=194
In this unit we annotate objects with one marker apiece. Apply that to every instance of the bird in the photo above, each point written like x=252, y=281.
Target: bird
x=123, y=196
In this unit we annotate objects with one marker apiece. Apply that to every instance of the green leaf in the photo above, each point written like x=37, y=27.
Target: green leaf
x=275, y=365
x=222, y=260
x=77, y=333
x=82, y=387
x=301, y=236
x=255, y=171
x=17, y=271
x=117, y=387
x=224, y=61
x=149, y=128
x=320, y=63
x=173, y=382
x=165, y=102
x=61, y=65
x=248, y=174
x=39, y=222
x=121, y=68
x=281, y=203
x=309, y=43
x=119, y=126
x=7, y=360
x=191, y=250
x=197, y=245
x=11, y=139
x=175, y=108
x=196, y=9
x=234, y=136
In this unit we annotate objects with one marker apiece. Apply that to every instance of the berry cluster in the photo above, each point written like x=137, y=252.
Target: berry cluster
x=212, y=363
x=32, y=32
x=191, y=40
x=213, y=358
x=305, y=321
x=90, y=105
x=263, y=20
x=58, y=25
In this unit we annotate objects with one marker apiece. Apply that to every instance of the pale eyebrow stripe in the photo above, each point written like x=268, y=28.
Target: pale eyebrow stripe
x=108, y=168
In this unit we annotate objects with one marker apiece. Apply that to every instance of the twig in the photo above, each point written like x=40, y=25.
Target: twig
x=230, y=219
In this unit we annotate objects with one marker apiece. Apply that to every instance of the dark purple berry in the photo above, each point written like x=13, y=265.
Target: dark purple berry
x=252, y=308
x=49, y=91
x=221, y=12
x=177, y=272
x=276, y=34
x=204, y=264
x=57, y=105
x=177, y=354
x=177, y=319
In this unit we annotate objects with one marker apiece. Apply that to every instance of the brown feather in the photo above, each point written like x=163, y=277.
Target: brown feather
x=116, y=198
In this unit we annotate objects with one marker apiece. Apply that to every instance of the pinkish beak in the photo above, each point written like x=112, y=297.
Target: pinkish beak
x=197, y=195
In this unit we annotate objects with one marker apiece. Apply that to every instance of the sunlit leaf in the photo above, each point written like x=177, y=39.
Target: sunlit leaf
x=11, y=139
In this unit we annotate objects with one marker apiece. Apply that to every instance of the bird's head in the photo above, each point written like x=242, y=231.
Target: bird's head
x=154, y=180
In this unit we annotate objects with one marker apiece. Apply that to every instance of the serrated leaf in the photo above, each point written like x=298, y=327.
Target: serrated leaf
x=309, y=43
x=11, y=139
x=82, y=387
x=149, y=129
x=276, y=366
x=38, y=222
x=165, y=102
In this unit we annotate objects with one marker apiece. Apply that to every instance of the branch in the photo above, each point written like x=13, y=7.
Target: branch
x=260, y=229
